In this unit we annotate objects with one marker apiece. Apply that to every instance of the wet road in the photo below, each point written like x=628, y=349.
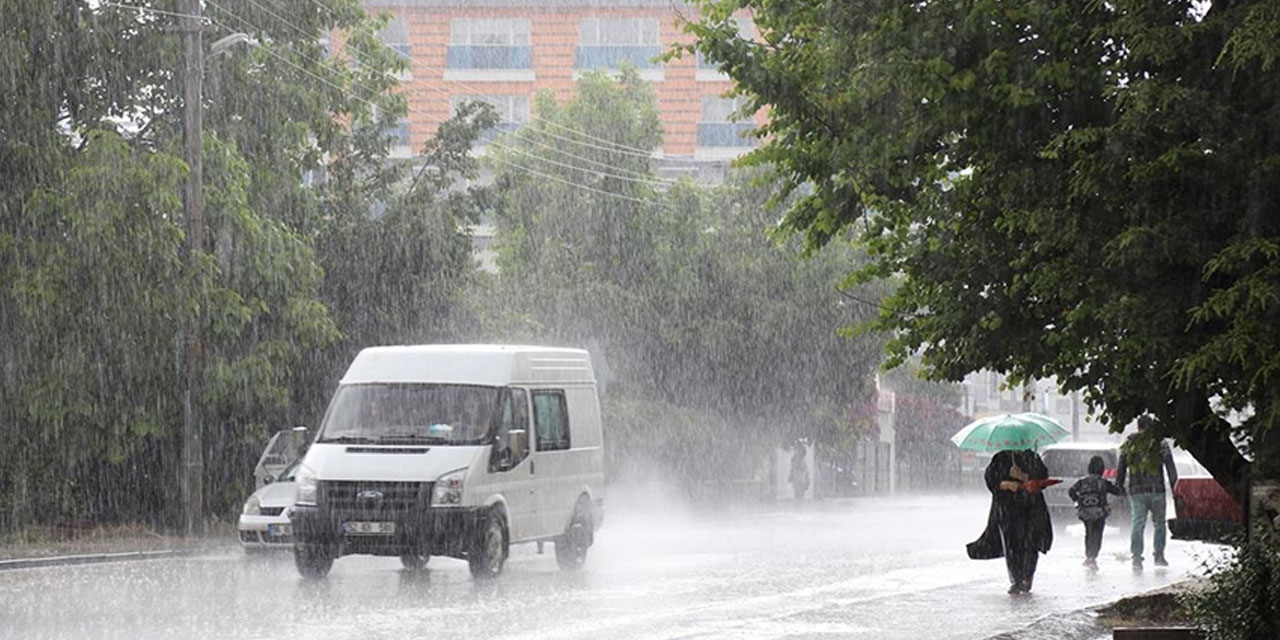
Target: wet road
x=873, y=568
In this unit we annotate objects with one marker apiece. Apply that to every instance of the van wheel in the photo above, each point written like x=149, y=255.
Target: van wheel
x=572, y=545
x=488, y=549
x=312, y=560
x=414, y=561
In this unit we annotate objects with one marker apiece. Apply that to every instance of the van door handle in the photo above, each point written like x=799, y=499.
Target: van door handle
x=530, y=467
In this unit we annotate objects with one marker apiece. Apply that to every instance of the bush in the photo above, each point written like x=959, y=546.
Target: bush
x=1241, y=600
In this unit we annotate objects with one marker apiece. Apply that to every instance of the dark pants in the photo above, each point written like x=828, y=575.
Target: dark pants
x=1020, y=559
x=1093, y=537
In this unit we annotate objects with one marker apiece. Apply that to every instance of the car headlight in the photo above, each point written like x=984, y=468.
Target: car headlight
x=307, y=485
x=252, y=506
x=448, y=491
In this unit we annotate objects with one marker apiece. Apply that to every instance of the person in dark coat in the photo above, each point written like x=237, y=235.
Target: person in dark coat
x=1090, y=495
x=1018, y=526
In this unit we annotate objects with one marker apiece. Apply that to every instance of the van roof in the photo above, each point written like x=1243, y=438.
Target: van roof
x=480, y=364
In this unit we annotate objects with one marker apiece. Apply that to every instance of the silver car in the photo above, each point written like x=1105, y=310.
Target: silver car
x=264, y=521
x=1069, y=462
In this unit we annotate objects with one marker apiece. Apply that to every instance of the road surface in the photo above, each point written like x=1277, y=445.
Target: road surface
x=874, y=568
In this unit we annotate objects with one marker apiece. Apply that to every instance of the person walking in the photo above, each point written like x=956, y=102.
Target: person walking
x=1090, y=495
x=1018, y=526
x=799, y=476
x=1146, y=489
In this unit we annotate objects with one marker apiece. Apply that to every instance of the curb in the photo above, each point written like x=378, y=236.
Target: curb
x=1082, y=624
x=93, y=558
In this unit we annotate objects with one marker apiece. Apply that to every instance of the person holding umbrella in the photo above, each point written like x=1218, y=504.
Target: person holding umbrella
x=1018, y=525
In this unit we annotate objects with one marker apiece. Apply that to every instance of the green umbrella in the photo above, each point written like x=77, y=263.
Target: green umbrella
x=1009, y=431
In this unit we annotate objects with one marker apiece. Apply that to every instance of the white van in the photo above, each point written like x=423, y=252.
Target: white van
x=454, y=450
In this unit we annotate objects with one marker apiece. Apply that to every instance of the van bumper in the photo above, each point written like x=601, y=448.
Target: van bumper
x=443, y=531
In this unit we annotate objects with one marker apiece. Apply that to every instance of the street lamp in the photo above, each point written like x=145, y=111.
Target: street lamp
x=222, y=45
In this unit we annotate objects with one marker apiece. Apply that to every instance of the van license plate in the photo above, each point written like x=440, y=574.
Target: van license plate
x=280, y=529
x=369, y=528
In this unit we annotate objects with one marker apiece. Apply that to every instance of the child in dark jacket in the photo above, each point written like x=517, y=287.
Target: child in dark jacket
x=1090, y=496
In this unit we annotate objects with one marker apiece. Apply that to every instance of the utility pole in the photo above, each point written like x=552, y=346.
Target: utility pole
x=1075, y=416
x=192, y=473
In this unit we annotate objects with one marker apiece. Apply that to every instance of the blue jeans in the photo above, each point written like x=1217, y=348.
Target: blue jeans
x=1140, y=504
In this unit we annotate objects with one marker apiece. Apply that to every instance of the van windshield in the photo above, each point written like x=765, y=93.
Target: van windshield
x=446, y=414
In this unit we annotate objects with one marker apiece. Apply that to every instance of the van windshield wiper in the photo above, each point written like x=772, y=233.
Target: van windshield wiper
x=413, y=438
x=348, y=440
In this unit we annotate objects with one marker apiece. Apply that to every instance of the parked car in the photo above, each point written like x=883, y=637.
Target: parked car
x=1203, y=510
x=1069, y=462
x=264, y=521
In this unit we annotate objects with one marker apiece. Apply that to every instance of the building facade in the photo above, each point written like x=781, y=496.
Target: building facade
x=988, y=393
x=505, y=52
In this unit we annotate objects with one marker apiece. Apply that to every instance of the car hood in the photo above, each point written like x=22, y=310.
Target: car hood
x=277, y=494
x=388, y=463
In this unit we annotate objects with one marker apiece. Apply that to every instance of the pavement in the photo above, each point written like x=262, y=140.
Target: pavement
x=874, y=568
x=57, y=548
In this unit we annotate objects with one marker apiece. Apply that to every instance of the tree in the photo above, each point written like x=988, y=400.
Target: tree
x=397, y=274
x=90, y=290
x=1085, y=190
x=714, y=335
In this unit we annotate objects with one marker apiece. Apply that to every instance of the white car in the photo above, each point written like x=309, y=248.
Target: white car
x=264, y=521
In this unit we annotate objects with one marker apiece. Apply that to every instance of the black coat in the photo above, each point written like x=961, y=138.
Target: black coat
x=1021, y=515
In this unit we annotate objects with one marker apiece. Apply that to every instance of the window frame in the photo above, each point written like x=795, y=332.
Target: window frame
x=402, y=46
x=561, y=444
x=597, y=30
x=512, y=397
x=512, y=32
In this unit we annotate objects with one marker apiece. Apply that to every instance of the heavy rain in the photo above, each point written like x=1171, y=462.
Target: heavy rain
x=639, y=319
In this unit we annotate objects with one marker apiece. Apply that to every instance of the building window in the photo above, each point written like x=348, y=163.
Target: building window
x=396, y=36
x=513, y=112
x=720, y=127
x=608, y=42
x=489, y=43
x=399, y=133
x=551, y=420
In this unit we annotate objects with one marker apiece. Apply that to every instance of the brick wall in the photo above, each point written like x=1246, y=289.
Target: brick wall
x=554, y=36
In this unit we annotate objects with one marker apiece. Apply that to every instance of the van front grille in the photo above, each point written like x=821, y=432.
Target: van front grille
x=374, y=496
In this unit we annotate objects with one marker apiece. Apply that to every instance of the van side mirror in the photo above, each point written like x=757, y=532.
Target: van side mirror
x=298, y=438
x=518, y=444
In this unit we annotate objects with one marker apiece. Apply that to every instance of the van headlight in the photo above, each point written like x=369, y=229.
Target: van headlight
x=252, y=506
x=307, y=484
x=448, y=491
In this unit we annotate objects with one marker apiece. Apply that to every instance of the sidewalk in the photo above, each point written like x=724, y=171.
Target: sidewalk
x=1155, y=608
x=46, y=547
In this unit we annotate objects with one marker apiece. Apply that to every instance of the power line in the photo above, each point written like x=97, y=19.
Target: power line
x=504, y=161
x=614, y=147
x=162, y=12
x=648, y=180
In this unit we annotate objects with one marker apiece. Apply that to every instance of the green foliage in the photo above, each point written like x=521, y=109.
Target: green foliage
x=1081, y=190
x=398, y=276
x=1241, y=600
x=652, y=439
x=92, y=286
x=715, y=335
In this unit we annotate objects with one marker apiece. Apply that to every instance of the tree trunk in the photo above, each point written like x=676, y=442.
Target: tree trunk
x=1200, y=431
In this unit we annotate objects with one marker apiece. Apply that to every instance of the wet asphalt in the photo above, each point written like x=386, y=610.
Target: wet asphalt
x=881, y=568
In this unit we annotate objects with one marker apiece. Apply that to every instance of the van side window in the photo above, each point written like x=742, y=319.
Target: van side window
x=514, y=416
x=551, y=419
